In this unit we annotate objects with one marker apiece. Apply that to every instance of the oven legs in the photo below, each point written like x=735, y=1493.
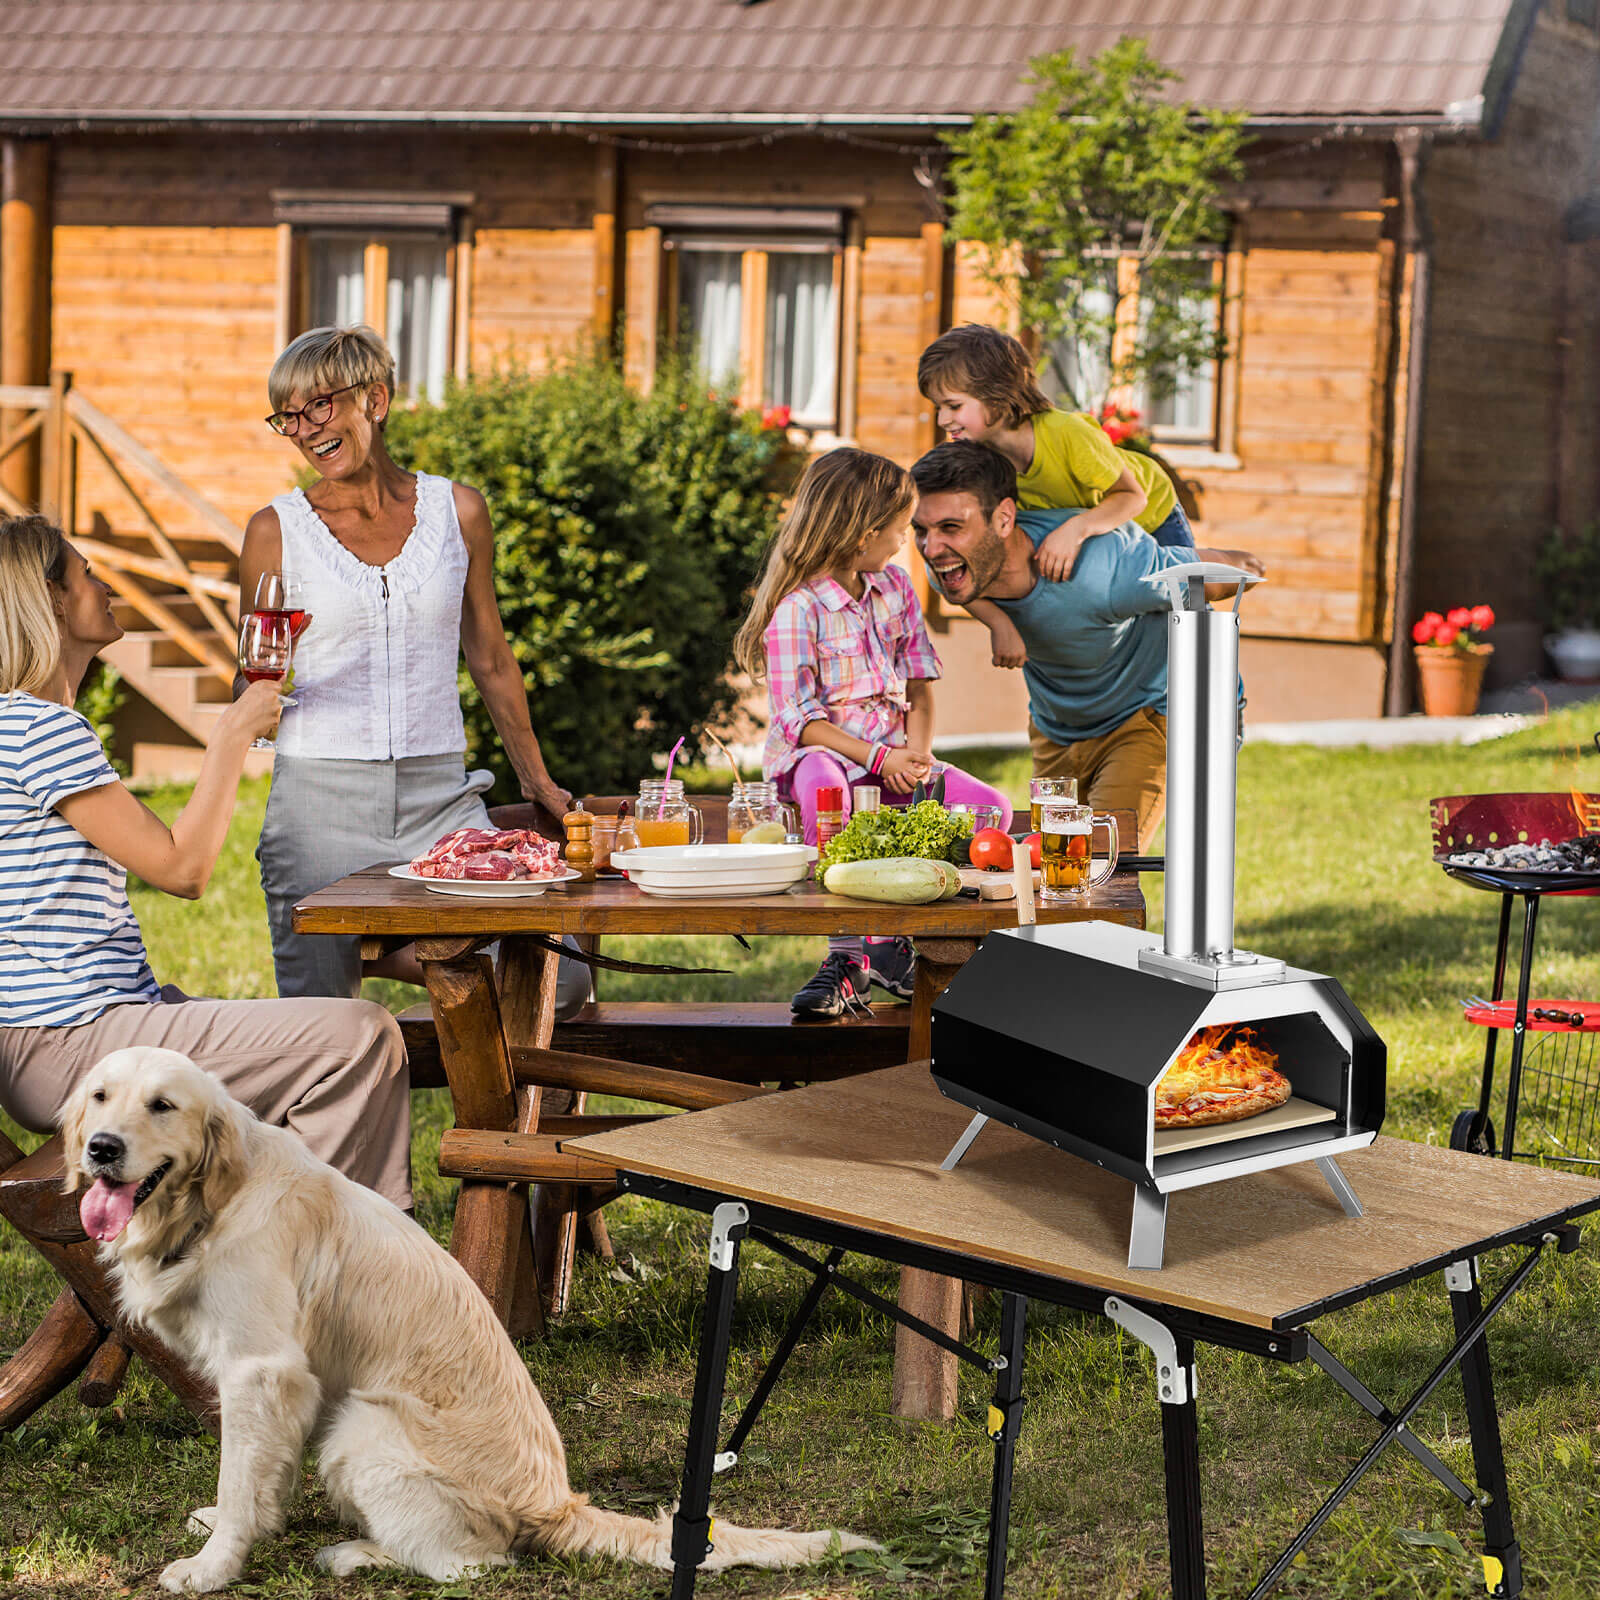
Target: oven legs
x=1340, y=1185
x=1147, y=1239
x=964, y=1143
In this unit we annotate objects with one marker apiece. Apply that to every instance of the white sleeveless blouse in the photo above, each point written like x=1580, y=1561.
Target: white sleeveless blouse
x=375, y=673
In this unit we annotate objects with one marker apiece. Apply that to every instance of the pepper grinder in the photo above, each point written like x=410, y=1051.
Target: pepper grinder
x=579, y=853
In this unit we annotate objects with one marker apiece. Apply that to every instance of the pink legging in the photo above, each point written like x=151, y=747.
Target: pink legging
x=817, y=769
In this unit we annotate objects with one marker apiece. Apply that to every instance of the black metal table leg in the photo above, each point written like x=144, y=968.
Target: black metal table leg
x=1519, y=1029
x=1005, y=1423
x=691, y=1526
x=1497, y=993
x=1180, y=1444
x=1502, y=1565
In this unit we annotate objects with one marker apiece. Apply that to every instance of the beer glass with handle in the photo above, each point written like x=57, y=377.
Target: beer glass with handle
x=1066, y=829
x=1042, y=789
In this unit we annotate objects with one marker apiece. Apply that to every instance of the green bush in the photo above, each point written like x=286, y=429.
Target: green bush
x=100, y=697
x=1568, y=570
x=628, y=530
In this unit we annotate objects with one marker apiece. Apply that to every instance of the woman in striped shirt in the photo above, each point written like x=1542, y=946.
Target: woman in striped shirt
x=75, y=982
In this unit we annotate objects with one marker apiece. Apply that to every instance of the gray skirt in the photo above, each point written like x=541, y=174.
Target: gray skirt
x=326, y=819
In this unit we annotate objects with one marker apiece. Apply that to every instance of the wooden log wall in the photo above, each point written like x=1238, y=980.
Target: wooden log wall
x=169, y=302
x=1511, y=405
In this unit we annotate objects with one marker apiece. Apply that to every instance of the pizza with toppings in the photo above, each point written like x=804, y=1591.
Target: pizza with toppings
x=1208, y=1084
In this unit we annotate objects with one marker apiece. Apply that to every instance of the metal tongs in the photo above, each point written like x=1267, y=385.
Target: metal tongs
x=1573, y=1019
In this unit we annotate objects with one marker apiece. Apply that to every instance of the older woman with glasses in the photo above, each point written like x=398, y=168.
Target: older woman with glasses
x=397, y=573
x=75, y=982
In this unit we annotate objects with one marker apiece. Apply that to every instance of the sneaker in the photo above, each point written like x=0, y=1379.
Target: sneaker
x=892, y=965
x=840, y=983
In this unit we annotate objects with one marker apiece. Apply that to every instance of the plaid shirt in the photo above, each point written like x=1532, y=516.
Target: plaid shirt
x=844, y=661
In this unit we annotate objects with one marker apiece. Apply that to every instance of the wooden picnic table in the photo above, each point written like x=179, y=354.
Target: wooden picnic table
x=495, y=1029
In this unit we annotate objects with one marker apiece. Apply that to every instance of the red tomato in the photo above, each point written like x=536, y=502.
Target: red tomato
x=991, y=848
x=1035, y=844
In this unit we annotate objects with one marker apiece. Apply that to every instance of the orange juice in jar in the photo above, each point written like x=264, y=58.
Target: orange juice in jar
x=663, y=816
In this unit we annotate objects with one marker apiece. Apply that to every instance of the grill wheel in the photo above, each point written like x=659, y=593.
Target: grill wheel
x=1473, y=1132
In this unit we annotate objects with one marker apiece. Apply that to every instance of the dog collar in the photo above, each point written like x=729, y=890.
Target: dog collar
x=190, y=1239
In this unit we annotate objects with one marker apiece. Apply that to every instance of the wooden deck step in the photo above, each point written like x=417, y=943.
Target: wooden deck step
x=747, y=1042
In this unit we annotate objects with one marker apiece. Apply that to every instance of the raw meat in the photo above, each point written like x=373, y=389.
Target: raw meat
x=490, y=855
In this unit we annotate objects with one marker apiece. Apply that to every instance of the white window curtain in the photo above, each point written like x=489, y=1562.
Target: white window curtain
x=338, y=280
x=801, y=356
x=710, y=298
x=1076, y=371
x=419, y=315
x=1189, y=410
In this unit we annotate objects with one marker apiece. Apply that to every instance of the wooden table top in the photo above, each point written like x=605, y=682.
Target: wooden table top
x=1258, y=1250
x=371, y=902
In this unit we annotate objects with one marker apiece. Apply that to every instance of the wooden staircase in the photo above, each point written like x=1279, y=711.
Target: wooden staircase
x=169, y=553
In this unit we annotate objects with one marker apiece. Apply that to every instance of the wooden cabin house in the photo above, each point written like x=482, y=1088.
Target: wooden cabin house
x=1407, y=405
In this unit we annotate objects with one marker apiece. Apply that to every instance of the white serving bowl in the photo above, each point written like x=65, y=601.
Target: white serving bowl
x=685, y=870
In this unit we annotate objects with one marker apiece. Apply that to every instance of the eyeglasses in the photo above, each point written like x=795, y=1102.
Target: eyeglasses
x=315, y=411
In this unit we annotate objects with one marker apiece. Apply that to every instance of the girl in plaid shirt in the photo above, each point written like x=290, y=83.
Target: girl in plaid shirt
x=839, y=636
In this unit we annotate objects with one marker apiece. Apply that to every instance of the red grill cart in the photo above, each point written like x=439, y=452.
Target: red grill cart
x=1558, y=1072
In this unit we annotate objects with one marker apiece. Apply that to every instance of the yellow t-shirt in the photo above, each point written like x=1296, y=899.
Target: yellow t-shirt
x=1074, y=464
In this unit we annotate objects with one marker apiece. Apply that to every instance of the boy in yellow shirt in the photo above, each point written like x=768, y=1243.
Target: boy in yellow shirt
x=982, y=386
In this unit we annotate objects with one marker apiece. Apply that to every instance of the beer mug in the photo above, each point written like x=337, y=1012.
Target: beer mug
x=1066, y=829
x=1042, y=789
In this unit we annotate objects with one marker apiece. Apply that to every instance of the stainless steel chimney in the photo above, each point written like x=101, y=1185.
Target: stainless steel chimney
x=1202, y=785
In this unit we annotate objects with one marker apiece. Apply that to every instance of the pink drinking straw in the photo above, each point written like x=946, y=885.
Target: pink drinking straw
x=672, y=755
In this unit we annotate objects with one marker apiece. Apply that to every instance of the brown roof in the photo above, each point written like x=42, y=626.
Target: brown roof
x=886, y=62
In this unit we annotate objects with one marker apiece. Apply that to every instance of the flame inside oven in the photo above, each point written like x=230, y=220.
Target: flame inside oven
x=1220, y=1067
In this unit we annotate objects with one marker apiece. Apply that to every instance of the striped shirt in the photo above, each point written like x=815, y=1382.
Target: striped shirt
x=70, y=945
x=846, y=661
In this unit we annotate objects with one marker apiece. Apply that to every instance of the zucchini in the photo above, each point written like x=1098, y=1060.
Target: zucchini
x=897, y=880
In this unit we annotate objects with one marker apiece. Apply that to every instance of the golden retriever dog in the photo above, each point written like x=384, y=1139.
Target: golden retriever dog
x=323, y=1315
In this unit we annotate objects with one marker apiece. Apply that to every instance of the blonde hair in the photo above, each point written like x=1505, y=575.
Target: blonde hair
x=33, y=558
x=842, y=499
x=991, y=366
x=330, y=358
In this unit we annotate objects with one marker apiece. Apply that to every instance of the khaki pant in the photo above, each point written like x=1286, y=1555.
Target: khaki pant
x=1124, y=770
x=332, y=1071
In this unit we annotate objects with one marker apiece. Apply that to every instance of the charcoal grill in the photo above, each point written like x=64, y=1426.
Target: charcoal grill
x=1554, y=1062
x=1064, y=1031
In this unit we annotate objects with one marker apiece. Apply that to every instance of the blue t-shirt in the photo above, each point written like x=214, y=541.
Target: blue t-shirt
x=1097, y=644
x=69, y=942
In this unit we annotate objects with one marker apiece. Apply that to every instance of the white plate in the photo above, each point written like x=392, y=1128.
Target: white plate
x=488, y=889
x=710, y=890
x=714, y=860
x=780, y=877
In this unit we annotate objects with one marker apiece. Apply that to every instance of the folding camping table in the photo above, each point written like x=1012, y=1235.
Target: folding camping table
x=853, y=1167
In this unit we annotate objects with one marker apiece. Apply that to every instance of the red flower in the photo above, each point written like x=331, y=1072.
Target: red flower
x=1446, y=635
x=1422, y=630
x=1482, y=618
x=1458, y=617
x=775, y=417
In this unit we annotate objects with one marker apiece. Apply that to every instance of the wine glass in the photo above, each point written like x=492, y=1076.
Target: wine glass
x=281, y=591
x=266, y=650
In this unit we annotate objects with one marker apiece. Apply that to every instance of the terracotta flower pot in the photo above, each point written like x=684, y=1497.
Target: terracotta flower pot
x=1450, y=679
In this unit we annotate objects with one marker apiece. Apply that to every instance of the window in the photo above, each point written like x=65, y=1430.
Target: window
x=1184, y=411
x=387, y=260
x=753, y=296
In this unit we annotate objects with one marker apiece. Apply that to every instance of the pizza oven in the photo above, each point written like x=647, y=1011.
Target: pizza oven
x=1065, y=1030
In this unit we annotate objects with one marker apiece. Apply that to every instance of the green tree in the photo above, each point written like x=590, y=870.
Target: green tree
x=1102, y=165
x=628, y=529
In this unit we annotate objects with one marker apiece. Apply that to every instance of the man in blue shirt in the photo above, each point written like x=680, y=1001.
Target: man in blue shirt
x=1097, y=642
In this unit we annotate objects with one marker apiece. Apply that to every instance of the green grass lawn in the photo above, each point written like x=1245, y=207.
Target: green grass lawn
x=1334, y=875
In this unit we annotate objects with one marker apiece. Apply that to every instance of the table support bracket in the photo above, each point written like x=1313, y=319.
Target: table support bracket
x=1174, y=1379
x=1468, y=1352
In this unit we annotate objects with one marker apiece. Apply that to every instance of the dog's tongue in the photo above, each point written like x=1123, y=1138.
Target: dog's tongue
x=106, y=1208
